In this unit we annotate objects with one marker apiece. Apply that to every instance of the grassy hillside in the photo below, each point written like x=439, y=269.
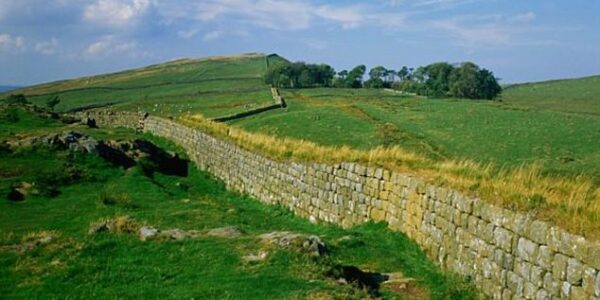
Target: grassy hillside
x=214, y=86
x=580, y=95
x=75, y=264
x=481, y=131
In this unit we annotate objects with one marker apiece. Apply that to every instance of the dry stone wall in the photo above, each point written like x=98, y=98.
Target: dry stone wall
x=508, y=255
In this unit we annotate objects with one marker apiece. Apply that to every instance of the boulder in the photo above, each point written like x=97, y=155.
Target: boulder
x=309, y=244
x=147, y=232
x=174, y=234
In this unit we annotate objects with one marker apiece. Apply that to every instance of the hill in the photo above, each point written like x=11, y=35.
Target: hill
x=215, y=86
x=581, y=95
x=7, y=88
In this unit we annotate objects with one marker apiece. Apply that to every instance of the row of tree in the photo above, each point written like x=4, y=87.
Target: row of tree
x=465, y=80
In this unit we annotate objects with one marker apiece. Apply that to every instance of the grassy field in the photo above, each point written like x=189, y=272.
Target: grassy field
x=213, y=86
x=75, y=264
x=542, y=139
x=580, y=95
x=481, y=131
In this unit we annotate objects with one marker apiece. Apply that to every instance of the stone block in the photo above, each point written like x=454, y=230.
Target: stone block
x=577, y=292
x=574, y=271
x=538, y=232
x=589, y=280
x=565, y=289
x=551, y=285
x=515, y=283
x=503, y=239
x=527, y=250
x=529, y=290
x=545, y=258
x=559, y=267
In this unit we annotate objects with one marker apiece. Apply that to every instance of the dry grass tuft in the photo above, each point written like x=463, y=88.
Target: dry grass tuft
x=573, y=201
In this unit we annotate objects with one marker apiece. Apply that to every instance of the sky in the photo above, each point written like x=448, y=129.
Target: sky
x=533, y=40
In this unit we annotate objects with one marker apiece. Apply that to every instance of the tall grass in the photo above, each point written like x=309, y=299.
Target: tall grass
x=575, y=201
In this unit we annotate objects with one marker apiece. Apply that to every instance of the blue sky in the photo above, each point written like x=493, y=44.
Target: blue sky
x=45, y=40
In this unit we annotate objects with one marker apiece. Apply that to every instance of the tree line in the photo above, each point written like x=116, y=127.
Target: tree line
x=464, y=80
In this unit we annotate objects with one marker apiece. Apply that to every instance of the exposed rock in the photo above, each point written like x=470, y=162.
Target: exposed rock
x=174, y=234
x=102, y=226
x=310, y=244
x=225, y=232
x=260, y=256
x=147, y=232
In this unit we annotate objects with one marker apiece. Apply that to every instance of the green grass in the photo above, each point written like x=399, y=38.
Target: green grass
x=580, y=95
x=78, y=265
x=213, y=87
x=485, y=132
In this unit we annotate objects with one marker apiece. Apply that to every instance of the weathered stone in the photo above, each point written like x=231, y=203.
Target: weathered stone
x=589, y=279
x=224, y=232
x=503, y=239
x=559, y=267
x=515, y=284
x=527, y=250
x=542, y=295
x=529, y=290
x=545, y=258
x=147, y=232
x=574, y=271
x=538, y=232
x=565, y=289
x=577, y=292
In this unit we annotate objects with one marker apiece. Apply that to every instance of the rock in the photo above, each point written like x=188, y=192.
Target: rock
x=224, y=232
x=260, y=256
x=312, y=244
x=102, y=226
x=15, y=195
x=147, y=232
x=174, y=234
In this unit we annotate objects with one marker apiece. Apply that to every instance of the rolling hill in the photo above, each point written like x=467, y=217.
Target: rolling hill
x=581, y=95
x=214, y=86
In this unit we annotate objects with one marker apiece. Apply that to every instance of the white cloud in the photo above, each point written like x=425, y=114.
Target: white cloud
x=109, y=45
x=213, y=35
x=347, y=17
x=116, y=13
x=11, y=44
x=47, y=47
x=526, y=17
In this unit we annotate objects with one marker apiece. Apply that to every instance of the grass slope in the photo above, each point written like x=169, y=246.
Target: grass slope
x=214, y=86
x=77, y=265
x=481, y=131
x=580, y=95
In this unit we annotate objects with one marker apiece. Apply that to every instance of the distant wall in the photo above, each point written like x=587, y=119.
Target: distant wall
x=507, y=254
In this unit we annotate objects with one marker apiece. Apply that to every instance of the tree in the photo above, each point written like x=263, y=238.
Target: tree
x=52, y=102
x=354, y=78
x=489, y=88
x=464, y=81
x=403, y=73
x=437, y=79
x=18, y=99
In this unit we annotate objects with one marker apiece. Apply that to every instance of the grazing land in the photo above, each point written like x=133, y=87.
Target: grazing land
x=536, y=150
x=47, y=250
x=580, y=95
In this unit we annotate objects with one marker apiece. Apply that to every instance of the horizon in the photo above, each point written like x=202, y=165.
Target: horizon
x=524, y=42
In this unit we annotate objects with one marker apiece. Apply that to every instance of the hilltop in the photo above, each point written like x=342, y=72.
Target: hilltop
x=214, y=85
x=579, y=95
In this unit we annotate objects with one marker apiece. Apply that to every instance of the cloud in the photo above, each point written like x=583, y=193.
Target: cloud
x=526, y=17
x=11, y=44
x=213, y=35
x=47, y=47
x=347, y=17
x=116, y=13
x=109, y=45
x=492, y=30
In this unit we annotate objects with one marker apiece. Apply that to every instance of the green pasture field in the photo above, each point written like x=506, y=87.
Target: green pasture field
x=75, y=264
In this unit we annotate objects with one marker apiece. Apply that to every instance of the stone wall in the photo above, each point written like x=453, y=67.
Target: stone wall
x=507, y=254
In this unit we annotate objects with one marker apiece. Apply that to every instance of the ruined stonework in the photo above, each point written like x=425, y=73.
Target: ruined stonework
x=507, y=254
